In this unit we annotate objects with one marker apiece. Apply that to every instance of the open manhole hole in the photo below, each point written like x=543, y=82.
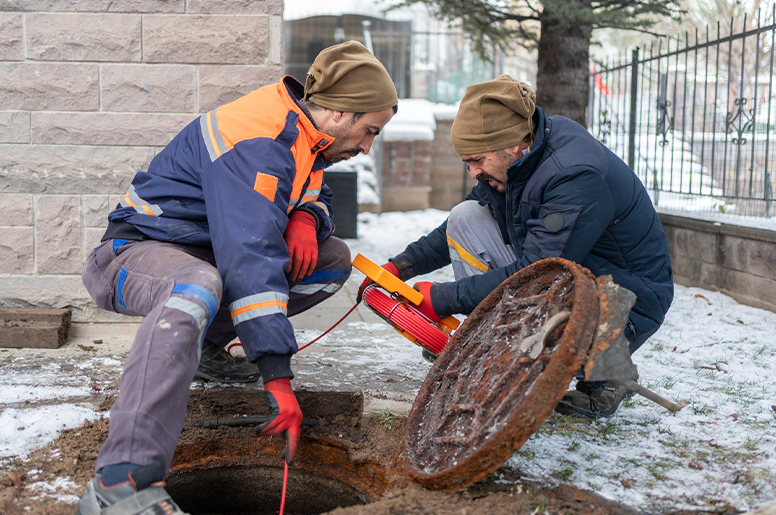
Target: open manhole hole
x=256, y=491
x=222, y=467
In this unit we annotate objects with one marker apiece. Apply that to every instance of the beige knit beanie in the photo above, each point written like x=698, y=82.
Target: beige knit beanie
x=347, y=77
x=494, y=115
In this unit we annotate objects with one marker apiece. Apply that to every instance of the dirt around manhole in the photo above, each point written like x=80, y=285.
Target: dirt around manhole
x=52, y=478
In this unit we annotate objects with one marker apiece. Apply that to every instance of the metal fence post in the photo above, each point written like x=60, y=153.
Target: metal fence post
x=633, y=108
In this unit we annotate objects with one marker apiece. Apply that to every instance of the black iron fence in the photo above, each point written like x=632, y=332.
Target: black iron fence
x=694, y=118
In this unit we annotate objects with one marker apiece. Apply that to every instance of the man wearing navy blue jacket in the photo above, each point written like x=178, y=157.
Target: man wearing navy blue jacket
x=546, y=188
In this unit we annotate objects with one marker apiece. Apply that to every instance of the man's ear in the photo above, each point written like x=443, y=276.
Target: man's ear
x=336, y=116
x=516, y=150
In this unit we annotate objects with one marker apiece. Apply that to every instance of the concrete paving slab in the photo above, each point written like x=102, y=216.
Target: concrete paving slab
x=322, y=316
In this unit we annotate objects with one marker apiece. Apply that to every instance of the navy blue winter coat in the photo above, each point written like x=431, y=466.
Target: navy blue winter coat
x=609, y=224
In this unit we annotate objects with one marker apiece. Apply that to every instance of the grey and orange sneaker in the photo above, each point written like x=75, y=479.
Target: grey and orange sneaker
x=143, y=494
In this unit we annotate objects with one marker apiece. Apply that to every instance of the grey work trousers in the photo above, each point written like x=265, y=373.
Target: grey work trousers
x=475, y=241
x=176, y=288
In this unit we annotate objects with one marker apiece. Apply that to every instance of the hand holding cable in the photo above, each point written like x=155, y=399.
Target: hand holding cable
x=286, y=415
x=302, y=241
x=388, y=266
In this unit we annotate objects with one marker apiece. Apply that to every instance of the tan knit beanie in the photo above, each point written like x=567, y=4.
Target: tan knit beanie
x=347, y=77
x=494, y=115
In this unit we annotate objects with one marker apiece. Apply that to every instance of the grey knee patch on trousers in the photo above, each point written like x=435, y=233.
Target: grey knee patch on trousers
x=309, y=289
x=199, y=315
x=476, y=231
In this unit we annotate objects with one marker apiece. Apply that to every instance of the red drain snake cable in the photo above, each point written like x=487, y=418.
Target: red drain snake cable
x=285, y=483
x=397, y=313
x=285, y=463
x=329, y=329
x=400, y=314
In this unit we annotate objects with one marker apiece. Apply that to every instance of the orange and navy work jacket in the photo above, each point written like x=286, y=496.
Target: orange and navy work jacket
x=230, y=180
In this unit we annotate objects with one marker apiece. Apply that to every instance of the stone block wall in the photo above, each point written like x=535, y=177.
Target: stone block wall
x=737, y=261
x=406, y=175
x=90, y=91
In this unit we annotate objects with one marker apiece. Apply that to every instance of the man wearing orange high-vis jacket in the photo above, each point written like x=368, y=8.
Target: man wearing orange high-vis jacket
x=227, y=235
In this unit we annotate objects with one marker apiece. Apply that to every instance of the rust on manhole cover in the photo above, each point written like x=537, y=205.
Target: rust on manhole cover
x=486, y=394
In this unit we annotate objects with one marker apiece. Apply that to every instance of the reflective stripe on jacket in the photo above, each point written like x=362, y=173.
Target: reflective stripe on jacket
x=230, y=179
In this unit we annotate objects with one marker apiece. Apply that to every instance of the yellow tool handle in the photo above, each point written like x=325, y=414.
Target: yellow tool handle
x=393, y=284
x=386, y=279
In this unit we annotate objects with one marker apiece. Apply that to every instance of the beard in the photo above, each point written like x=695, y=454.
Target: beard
x=337, y=151
x=499, y=186
x=486, y=177
x=333, y=154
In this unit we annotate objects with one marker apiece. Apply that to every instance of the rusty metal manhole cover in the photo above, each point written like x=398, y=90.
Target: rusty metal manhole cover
x=486, y=394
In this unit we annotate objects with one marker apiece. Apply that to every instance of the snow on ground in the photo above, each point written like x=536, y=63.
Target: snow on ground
x=53, y=490
x=23, y=430
x=37, y=401
x=385, y=235
x=718, y=354
x=378, y=359
x=375, y=350
x=719, y=450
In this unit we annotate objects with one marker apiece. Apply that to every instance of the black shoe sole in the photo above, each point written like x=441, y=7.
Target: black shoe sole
x=214, y=375
x=566, y=408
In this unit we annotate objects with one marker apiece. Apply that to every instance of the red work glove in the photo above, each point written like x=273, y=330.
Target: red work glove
x=286, y=415
x=426, y=307
x=302, y=241
x=388, y=266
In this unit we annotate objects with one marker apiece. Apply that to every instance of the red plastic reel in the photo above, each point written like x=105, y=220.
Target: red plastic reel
x=406, y=319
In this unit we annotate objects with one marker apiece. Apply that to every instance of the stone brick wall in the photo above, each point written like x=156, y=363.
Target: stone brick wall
x=738, y=261
x=90, y=91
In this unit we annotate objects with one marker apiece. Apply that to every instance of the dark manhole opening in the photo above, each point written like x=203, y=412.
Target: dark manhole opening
x=256, y=491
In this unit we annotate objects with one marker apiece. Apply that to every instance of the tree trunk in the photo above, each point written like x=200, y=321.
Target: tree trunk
x=562, y=78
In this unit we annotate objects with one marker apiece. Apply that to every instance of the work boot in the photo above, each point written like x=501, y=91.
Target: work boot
x=142, y=494
x=594, y=399
x=217, y=365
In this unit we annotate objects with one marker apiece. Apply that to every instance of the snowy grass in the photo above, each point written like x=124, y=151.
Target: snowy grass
x=32, y=391
x=23, y=430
